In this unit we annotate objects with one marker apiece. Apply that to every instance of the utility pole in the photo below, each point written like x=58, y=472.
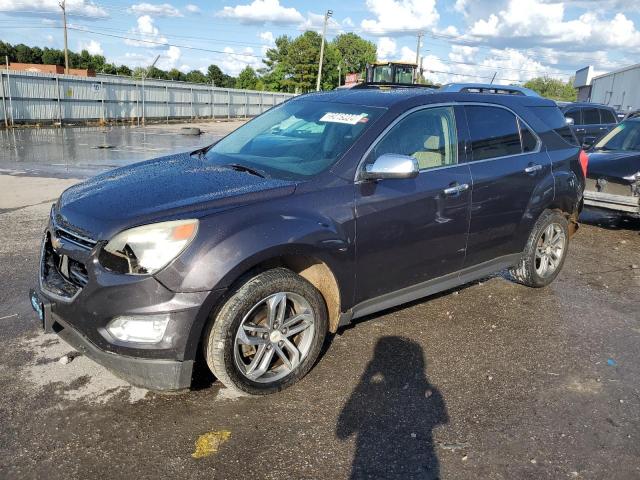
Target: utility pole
x=144, y=75
x=66, y=47
x=415, y=75
x=324, y=32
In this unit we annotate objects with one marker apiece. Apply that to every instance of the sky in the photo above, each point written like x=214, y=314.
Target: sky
x=464, y=40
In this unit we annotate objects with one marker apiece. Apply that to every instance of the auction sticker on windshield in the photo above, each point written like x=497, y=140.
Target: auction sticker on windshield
x=349, y=118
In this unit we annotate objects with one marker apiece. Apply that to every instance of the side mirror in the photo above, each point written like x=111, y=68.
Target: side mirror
x=569, y=120
x=391, y=165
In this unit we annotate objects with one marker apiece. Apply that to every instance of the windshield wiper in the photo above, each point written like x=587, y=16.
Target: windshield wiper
x=243, y=168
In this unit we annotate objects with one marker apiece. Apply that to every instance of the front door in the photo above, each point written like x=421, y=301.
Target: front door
x=412, y=230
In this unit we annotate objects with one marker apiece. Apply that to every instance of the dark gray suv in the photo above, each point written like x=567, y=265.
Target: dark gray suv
x=327, y=208
x=590, y=121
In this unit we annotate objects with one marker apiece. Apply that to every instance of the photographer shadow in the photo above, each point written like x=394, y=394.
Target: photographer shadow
x=393, y=412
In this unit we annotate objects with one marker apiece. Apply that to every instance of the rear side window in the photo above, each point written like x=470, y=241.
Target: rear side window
x=607, y=116
x=494, y=132
x=591, y=116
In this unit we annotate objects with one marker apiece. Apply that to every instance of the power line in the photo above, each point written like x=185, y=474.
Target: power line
x=164, y=44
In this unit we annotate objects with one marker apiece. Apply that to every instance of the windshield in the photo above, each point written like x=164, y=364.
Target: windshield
x=296, y=139
x=625, y=137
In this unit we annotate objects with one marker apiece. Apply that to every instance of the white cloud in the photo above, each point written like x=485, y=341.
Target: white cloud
x=348, y=22
x=263, y=11
x=86, y=8
x=146, y=30
x=400, y=17
x=157, y=9
x=191, y=8
x=170, y=58
x=92, y=46
x=315, y=22
x=234, y=62
x=386, y=48
x=267, y=37
x=50, y=39
x=546, y=24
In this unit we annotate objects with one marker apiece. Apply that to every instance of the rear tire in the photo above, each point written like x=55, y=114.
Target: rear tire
x=545, y=252
x=268, y=334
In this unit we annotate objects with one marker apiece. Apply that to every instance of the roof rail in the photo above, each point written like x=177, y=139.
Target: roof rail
x=488, y=88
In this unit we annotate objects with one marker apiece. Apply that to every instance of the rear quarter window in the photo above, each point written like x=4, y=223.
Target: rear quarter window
x=553, y=118
x=607, y=116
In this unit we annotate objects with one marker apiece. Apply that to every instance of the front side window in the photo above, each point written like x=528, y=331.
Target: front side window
x=591, y=116
x=625, y=137
x=428, y=135
x=494, y=132
x=299, y=138
x=574, y=115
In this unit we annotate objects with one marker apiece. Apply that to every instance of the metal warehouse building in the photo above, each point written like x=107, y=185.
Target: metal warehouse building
x=619, y=89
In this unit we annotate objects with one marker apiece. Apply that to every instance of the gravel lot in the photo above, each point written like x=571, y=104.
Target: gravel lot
x=493, y=380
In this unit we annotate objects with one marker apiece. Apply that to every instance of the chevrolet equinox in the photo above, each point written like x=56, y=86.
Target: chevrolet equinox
x=324, y=209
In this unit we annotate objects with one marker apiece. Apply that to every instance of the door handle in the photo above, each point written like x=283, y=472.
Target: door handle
x=533, y=168
x=581, y=130
x=454, y=190
x=604, y=128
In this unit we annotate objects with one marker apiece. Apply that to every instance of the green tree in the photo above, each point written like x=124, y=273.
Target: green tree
x=124, y=70
x=175, y=74
x=247, y=79
x=355, y=52
x=196, y=76
x=553, y=89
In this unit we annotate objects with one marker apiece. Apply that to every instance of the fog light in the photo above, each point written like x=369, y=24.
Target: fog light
x=139, y=329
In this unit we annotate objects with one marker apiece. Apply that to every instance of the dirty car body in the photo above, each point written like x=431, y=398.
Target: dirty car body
x=613, y=177
x=139, y=263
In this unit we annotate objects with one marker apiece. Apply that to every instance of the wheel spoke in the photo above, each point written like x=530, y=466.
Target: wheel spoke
x=276, y=309
x=252, y=327
x=291, y=361
x=260, y=363
x=250, y=339
x=298, y=323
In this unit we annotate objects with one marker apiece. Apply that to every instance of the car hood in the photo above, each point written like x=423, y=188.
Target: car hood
x=613, y=164
x=173, y=186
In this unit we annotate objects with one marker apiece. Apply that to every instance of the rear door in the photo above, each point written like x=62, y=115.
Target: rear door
x=413, y=230
x=575, y=114
x=506, y=165
x=591, y=124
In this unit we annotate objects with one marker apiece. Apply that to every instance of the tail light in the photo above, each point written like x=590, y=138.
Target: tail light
x=583, y=158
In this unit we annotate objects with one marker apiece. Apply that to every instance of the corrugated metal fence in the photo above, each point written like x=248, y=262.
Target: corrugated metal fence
x=36, y=97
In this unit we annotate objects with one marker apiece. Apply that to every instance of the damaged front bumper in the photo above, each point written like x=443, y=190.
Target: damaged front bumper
x=619, y=197
x=77, y=299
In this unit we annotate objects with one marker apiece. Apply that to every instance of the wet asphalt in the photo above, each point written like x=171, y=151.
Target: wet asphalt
x=492, y=380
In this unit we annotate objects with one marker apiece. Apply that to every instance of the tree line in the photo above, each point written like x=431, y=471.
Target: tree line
x=290, y=65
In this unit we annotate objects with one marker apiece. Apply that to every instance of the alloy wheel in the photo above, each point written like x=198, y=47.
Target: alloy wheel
x=274, y=338
x=549, y=250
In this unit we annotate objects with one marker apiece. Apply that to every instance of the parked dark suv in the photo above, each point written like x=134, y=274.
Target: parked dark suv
x=591, y=121
x=324, y=209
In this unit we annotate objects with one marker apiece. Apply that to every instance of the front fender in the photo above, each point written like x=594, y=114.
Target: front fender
x=232, y=242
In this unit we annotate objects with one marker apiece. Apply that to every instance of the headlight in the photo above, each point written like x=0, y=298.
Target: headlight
x=147, y=249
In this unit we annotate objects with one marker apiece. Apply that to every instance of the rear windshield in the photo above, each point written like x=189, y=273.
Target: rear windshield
x=299, y=138
x=555, y=120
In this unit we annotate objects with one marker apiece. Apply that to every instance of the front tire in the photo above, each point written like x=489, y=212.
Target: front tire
x=545, y=252
x=268, y=334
